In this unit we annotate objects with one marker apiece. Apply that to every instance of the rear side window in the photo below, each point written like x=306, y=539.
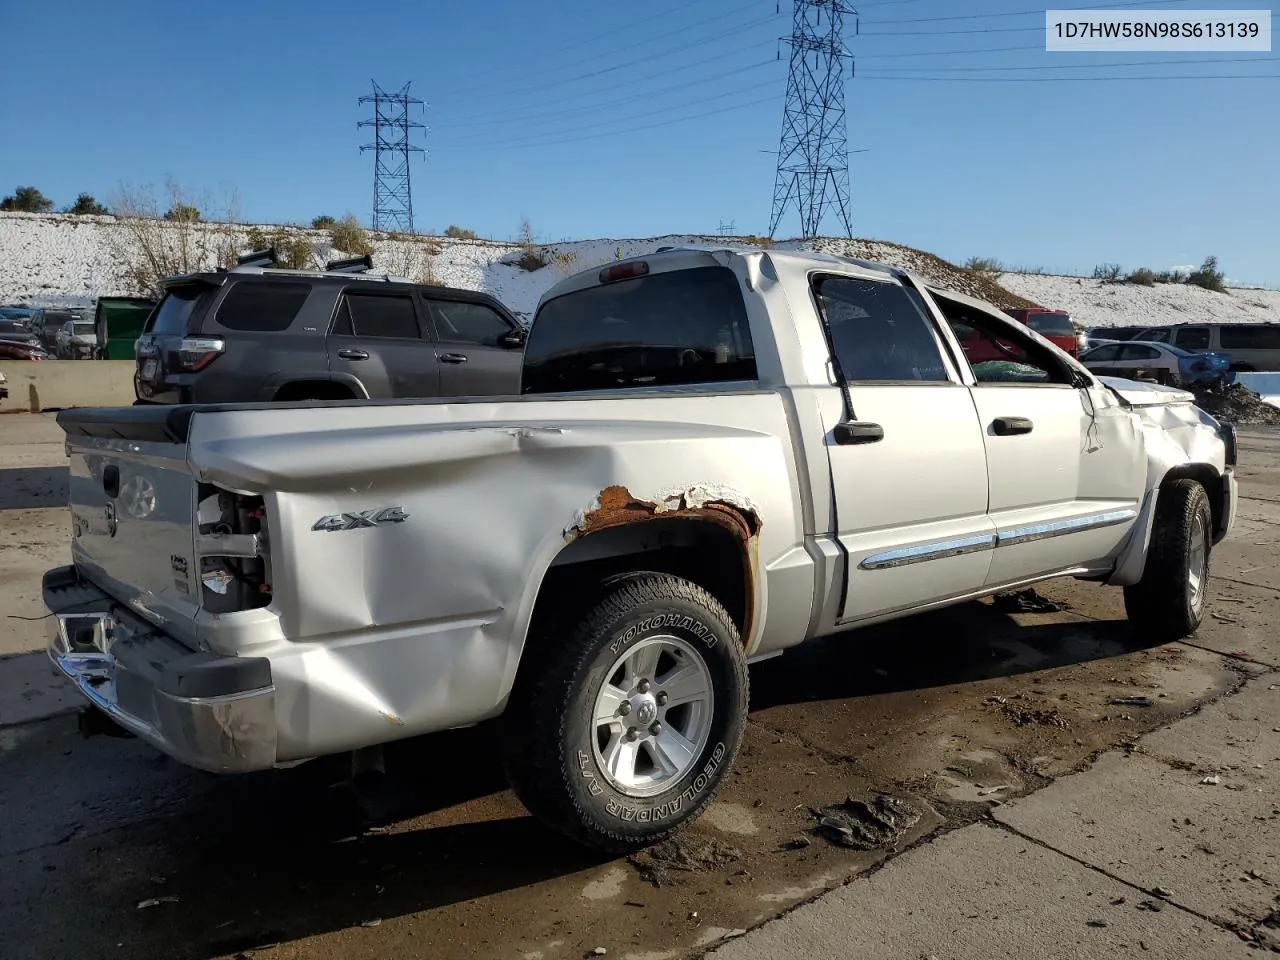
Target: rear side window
x=877, y=332
x=1193, y=338
x=459, y=322
x=1250, y=338
x=679, y=327
x=371, y=315
x=174, y=313
x=262, y=307
x=1136, y=351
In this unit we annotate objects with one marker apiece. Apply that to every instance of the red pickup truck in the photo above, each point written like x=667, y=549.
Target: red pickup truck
x=1054, y=325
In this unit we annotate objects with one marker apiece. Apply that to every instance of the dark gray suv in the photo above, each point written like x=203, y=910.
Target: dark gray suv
x=253, y=333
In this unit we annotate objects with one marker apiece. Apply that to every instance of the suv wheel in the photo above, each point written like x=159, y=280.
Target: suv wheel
x=623, y=732
x=1168, y=602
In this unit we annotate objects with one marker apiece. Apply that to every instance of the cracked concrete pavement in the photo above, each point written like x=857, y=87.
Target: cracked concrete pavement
x=1050, y=814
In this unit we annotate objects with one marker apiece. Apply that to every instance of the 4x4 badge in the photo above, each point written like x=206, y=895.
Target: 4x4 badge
x=365, y=518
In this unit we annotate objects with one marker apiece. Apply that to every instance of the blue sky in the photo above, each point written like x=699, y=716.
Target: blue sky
x=597, y=119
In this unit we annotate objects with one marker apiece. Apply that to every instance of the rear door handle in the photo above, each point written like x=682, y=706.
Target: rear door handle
x=1011, y=426
x=453, y=358
x=349, y=354
x=852, y=432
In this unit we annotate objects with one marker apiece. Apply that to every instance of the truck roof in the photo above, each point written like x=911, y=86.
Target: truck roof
x=686, y=257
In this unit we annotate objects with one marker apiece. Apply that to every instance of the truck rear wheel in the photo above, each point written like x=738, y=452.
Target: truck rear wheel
x=624, y=732
x=1168, y=602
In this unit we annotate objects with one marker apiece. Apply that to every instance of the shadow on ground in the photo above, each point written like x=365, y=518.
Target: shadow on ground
x=286, y=855
x=27, y=488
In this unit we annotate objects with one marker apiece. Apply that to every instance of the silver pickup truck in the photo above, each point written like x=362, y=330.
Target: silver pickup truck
x=715, y=456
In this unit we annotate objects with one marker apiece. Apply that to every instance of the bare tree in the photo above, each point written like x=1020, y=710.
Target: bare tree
x=148, y=247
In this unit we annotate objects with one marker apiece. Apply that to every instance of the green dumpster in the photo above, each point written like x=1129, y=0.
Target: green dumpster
x=119, y=322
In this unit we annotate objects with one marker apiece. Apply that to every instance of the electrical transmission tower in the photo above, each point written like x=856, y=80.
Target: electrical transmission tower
x=813, y=154
x=392, y=193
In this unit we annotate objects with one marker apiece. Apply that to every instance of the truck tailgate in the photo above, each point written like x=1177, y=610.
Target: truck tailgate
x=133, y=499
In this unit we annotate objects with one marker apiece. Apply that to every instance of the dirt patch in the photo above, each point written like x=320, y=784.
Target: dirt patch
x=1025, y=601
x=867, y=825
x=683, y=854
x=1235, y=403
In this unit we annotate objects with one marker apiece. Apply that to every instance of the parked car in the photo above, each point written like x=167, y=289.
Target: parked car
x=16, y=350
x=1159, y=361
x=1251, y=346
x=255, y=333
x=1097, y=335
x=1054, y=325
x=77, y=340
x=14, y=312
x=46, y=324
x=715, y=456
x=15, y=331
x=4, y=387
x=119, y=322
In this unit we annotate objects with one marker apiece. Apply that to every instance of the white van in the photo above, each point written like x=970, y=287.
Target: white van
x=1251, y=346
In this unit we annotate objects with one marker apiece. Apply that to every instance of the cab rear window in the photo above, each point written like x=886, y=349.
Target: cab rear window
x=662, y=329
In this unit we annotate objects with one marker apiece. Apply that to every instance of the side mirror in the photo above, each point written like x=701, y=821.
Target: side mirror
x=514, y=340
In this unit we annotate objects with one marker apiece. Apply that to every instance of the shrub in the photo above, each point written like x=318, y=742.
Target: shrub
x=1209, y=276
x=348, y=236
x=1171, y=276
x=26, y=200
x=256, y=239
x=1143, y=277
x=323, y=222
x=459, y=233
x=87, y=206
x=531, y=258
x=984, y=265
x=1107, y=271
x=182, y=213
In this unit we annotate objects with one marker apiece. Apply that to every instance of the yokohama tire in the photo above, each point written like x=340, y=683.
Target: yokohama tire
x=1168, y=602
x=649, y=634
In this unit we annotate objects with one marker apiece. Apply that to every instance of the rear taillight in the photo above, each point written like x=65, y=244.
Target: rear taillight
x=196, y=353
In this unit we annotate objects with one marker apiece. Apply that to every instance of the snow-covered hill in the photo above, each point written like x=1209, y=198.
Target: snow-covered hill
x=56, y=259
x=1099, y=303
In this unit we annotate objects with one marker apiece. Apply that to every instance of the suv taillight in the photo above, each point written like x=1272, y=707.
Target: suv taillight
x=196, y=353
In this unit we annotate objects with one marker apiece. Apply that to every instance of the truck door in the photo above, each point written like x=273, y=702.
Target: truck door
x=908, y=469
x=1065, y=461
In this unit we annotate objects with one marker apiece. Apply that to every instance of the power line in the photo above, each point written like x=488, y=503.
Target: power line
x=517, y=141
x=525, y=75
x=950, y=33
x=630, y=84
x=1078, y=66
x=1186, y=76
x=1024, y=13
x=654, y=126
x=631, y=63
x=648, y=94
x=946, y=53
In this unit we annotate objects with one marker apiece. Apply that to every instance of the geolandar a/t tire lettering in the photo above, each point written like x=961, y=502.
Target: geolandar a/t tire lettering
x=623, y=731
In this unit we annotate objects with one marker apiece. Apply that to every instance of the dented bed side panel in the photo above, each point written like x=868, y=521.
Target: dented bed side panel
x=399, y=628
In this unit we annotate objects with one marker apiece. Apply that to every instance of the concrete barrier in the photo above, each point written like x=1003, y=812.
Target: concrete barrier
x=37, y=385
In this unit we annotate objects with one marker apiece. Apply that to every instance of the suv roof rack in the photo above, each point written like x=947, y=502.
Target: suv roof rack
x=258, y=258
x=361, y=264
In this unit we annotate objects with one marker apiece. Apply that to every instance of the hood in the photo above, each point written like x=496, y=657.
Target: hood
x=1142, y=394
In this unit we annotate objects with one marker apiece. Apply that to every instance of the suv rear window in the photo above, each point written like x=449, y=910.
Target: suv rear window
x=258, y=306
x=174, y=312
x=678, y=327
x=1051, y=324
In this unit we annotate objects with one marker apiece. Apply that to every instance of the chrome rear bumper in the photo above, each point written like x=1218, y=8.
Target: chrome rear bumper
x=215, y=713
